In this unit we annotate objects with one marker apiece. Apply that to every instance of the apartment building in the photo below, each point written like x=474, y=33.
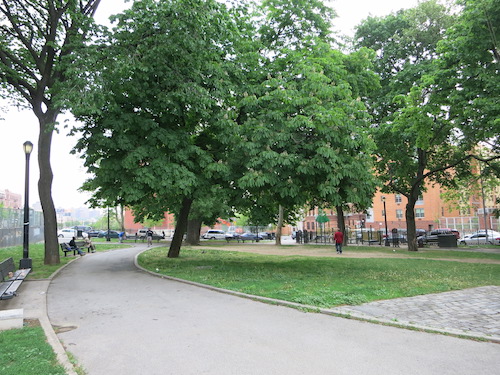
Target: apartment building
x=10, y=199
x=431, y=212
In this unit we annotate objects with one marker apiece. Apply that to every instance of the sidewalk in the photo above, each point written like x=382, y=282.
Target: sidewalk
x=472, y=313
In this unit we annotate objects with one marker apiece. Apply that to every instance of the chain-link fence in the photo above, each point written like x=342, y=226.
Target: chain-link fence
x=11, y=226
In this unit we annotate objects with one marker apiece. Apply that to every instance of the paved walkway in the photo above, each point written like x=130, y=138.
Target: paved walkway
x=117, y=319
x=472, y=312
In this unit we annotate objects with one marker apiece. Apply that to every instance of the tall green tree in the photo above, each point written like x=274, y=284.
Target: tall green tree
x=468, y=73
x=155, y=107
x=304, y=138
x=300, y=121
x=35, y=37
x=415, y=140
x=469, y=85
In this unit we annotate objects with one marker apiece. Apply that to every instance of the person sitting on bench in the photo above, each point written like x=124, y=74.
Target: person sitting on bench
x=88, y=244
x=73, y=246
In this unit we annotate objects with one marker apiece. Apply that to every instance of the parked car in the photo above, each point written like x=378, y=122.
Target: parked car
x=67, y=233
x=479, y=238
x=267, y=235
x=93, y=233
x=141, y=234
x=213, y=234
x=232, y=236
x=80, y=229
x=396, y=237
x=104, y=234
x=250, y=237
x=432, y=236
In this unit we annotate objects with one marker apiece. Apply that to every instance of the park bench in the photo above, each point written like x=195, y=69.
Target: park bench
x=10, y=279
x=68, y=249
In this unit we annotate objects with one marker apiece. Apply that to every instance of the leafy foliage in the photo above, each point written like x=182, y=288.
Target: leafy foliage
x=36, y=36
x=149, y=134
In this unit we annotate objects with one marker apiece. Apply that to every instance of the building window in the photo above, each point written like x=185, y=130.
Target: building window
x=419, y=212
x=399, y=214
x=397, y=198
x=420, y=200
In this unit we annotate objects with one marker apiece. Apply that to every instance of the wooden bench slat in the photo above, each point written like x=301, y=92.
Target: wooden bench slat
x=10, y=284
x=3, y=288
x=11, y=290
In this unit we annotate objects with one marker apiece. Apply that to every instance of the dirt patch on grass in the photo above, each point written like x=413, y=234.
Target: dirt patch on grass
x=32, y=322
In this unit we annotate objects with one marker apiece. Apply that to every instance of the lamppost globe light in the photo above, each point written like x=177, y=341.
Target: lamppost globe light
x=28, y=147
x=26, y=261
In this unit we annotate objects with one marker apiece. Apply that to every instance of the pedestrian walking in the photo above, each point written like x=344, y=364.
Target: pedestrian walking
x=149, y=235
x=338, y=237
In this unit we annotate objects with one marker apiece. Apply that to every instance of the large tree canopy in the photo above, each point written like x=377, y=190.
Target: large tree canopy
x=411, y=135
x=415, y=109
x=157, y=107
x=35, y=38
x=303, y=127
x=304, y=134
x=468, y=79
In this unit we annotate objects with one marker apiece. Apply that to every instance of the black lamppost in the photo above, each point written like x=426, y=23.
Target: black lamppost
x=385, y=219
x=26, y=262
x=107, y=234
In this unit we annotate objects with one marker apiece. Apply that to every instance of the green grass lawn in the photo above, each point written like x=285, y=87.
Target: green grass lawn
x=326, y=281
x=25, y=351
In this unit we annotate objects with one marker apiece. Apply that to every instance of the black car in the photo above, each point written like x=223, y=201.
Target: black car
x=433, y=236
x=93, y=233
x=267, y=235
x=104, y=234
x=250, y=237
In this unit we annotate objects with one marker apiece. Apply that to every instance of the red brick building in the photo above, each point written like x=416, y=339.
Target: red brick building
x=10, y=199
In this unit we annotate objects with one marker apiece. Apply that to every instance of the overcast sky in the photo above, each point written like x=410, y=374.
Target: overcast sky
x=16, y=126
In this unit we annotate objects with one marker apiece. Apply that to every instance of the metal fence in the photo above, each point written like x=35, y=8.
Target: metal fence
x=11, y=226
x=466, y=225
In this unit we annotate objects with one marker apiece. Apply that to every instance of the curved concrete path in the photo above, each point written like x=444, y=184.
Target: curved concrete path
x=117, y=319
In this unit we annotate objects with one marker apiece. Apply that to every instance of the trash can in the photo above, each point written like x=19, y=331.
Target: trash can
x=447, y=240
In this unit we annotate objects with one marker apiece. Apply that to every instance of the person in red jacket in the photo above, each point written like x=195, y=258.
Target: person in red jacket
x=338, y=237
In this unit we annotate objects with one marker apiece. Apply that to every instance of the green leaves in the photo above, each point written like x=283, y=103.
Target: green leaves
x=162, y=97
x=304, y=130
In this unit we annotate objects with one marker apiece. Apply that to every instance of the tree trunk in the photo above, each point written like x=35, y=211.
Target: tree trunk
x=180, y=229
x=120, y=217
x=193, y=231
x=411, y=228
x=279, y=225
x=341, y=222
x=46, y=123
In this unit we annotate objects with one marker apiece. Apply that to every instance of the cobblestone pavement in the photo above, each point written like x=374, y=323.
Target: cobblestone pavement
x=471, y=312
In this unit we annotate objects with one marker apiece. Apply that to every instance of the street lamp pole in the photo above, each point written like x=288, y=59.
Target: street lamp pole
x=385, y=219
x=107, y=234
x=26, y=261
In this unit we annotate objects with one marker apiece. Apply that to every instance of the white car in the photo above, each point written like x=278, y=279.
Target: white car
x=68, y=233
x=479, y=238
x=214, y=234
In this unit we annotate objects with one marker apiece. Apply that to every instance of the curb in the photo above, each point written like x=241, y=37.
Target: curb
x=50, y=334
x=337, y=312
